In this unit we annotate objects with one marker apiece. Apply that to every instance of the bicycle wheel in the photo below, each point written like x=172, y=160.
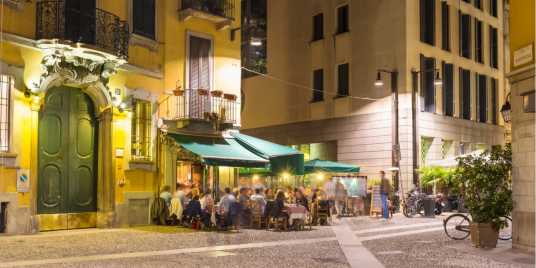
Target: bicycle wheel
x=457, y=226
x=506, y=232
x=408, y=211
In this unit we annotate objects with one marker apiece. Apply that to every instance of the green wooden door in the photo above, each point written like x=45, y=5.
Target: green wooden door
x=67, y=153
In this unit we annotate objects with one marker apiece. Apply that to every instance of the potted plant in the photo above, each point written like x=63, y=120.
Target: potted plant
x=230, y=97
x=178, y=89
x=202, y=92
x=485, y=183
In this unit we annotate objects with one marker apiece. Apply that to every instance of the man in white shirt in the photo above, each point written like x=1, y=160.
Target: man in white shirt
x=329, y=189
x=259, y=198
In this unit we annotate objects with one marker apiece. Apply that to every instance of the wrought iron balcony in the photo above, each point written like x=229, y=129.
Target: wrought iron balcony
x=218, y=11
x=201, y=105
x=97, y=28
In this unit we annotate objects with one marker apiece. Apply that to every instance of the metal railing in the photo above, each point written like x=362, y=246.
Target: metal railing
x=222, y=8
x=201, y=105
x=97, y=27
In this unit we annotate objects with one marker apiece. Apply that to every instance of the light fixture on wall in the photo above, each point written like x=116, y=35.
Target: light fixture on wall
x=256, y=42
x=506, y=110
x=437, y=80
x=379, y=81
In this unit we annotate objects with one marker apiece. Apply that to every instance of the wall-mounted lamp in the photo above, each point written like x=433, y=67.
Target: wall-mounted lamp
x=506, y=110
x=379, y=81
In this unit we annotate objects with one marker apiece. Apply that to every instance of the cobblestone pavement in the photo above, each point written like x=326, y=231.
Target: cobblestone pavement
x=421, y=242
x=400, y=242
x=134, y=248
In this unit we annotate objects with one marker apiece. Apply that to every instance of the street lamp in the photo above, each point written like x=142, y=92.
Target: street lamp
x=395, y=151
x=506, y=110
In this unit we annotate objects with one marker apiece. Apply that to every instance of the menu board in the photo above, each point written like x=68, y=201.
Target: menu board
x=376, y=200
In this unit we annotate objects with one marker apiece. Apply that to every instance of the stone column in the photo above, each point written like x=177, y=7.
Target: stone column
x=105, y=180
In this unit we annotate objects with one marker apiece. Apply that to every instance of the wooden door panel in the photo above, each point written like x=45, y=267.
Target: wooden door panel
x=53, y=163
x=82, y=182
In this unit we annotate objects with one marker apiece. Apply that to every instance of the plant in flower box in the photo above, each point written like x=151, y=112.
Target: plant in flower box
x=216, y=93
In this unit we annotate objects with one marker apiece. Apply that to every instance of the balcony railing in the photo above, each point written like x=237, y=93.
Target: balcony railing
x=96, y=27
x=221, y=8
x=201, y=105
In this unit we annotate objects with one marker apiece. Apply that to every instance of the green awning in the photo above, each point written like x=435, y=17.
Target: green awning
x=282, y=158
x=248, y=171
x=219, y=151
x=329, y=166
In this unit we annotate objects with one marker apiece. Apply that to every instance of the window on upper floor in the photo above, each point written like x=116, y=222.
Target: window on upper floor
x=318, y=27
x=318, y=85
x=427, y=18
x=493, y=8
x=6, y=85
x=143, y=18
x=445, y=26
x=141, y=130
x=344, y=80
x=494, y=91
x=427, y=83
x=465, y=35
x=465, y=94
x=478, y=4
x=493, y=49
x=448, y=89
x=343, y=19
x=482, y=91
x=467, y=1
x=478, y=41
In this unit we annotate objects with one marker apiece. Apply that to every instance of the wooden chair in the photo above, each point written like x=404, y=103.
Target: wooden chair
x=323, y=212
x=256, y=217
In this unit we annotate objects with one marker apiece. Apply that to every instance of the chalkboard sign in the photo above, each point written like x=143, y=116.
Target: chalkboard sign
x=376, y=201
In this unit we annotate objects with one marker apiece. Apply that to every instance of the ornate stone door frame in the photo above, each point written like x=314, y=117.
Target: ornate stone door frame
x=91, y=77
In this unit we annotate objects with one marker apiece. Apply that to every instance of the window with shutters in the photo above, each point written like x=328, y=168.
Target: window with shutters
x=445, y=26
x=199, y=63
x=493, y=8
x=6, y=84
x=465, y=94
x=318, y=85
x=141, y=130
x=318, y=27
x=493, y=49
x=344, y=80
x=427, y=18
x=482, y=105
x=478, y=4
x=478, y=42
x=343, y=19
x=427, y=83
x=143, y=18
x=448, y=89
x=465, y=35
x=494, y=97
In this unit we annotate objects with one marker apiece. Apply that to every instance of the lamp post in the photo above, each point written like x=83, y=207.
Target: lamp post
x=395, y=151
x=414, y=91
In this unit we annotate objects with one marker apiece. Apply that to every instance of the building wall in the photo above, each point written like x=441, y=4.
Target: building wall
x=383, y=34
x=521, y=79
x=153, y=69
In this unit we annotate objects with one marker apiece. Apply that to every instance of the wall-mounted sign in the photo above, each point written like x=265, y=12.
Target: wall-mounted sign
x=523, y=55
x=23, y=180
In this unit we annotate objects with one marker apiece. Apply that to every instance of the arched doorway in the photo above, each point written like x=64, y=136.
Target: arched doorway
x=67, y=163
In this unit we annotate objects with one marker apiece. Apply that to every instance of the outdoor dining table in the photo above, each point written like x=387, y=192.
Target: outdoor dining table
x=296, y=212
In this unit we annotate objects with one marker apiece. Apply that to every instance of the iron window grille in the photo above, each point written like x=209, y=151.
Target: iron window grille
x=141, y=130
x=6, y=84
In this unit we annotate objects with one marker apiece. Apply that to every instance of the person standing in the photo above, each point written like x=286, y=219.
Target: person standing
x=340, y=197
x=329, y=190
x=385, y=190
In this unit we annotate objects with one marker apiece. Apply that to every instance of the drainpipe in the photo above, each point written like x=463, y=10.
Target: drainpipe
x=414, y=147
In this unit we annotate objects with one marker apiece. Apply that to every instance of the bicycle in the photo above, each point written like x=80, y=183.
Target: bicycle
x=458, y=227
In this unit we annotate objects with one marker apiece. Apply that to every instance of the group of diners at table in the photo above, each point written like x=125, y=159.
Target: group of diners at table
x=254, y=207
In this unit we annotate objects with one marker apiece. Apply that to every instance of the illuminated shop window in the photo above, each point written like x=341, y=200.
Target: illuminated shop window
x=141, y=130
x=6, y=84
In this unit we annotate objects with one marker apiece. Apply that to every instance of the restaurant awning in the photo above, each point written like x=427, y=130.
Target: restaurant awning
x=316, y=165
x=219, y=151
x=282, y=158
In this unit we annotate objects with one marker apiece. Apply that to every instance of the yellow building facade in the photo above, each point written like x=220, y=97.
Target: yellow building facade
x=521, y=98
x=86, y=88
